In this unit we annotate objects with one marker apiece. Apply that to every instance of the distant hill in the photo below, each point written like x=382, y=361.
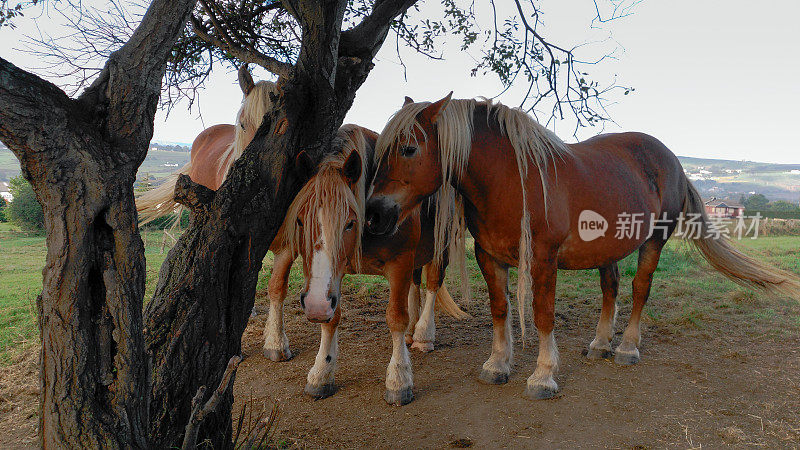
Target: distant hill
x=721, y=178
x=161, y=160
x=731, y=179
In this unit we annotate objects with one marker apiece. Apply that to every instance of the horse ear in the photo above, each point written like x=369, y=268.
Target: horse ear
x=303, y=165
x=245, y=80
x=431, y=113
x=408, y=100
x=352, y=167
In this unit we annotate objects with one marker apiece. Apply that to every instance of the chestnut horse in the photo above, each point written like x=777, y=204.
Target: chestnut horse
x=324, y=224
x=213, y=151
x=535, y=223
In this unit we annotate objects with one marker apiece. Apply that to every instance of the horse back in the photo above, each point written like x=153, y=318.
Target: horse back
x=208, y=150
x=632, y=165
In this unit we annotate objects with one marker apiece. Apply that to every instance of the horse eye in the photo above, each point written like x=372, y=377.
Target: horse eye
x=299, y=223
x=408, y=151
x=241, y=125
x=349, y=225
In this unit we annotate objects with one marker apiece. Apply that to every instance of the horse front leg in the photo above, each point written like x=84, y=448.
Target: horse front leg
x=497, y=368
x=276, y=344
x=320, y=382
x=541, y=384
x=399, y=375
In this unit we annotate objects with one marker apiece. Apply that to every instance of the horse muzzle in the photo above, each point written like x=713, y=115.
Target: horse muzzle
x=319, y=310
x=382, y=215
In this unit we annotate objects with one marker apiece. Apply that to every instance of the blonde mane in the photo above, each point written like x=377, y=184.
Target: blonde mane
x=454, y=125
x=249, y=117
x=329, y=194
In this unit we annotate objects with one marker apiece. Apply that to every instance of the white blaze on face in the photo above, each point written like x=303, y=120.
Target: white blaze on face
x=321, y=270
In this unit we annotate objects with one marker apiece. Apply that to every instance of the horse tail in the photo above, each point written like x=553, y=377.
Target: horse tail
x=731, y=262
x=446, y=304
x=160, y=201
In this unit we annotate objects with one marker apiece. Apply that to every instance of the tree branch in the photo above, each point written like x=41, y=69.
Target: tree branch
x=192, y=195
x=273, y=65
x=27, y=103
x=129, y=87
x=365, y=39
x=200, y=411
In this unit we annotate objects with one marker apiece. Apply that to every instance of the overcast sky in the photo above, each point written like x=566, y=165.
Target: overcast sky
x=713, y=79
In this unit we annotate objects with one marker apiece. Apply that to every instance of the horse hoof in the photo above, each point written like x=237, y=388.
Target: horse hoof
x=626, y=359
x=422, y=346
x=320, y=392
x=599, y=353
x=273, y=354
x=491, y=377
x=399, y=398
x=539, y=392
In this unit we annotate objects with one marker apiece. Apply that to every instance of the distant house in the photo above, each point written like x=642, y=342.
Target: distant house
x=5, y=192
x=722, y=208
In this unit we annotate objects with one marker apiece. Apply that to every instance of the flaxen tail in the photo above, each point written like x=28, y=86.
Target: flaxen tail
x=160, y=201
x=446, y=304
x=732, y=263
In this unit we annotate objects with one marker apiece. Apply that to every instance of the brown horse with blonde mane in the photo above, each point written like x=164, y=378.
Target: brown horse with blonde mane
x=213, y=151
x=525, y=193
x=324, y=225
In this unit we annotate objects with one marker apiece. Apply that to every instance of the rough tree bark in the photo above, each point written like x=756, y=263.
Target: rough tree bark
x=81, y=156
x=201, y=305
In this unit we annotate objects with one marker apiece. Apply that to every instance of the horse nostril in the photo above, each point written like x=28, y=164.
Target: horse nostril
x=372, y=219
x=333, y=299
x=303, y=300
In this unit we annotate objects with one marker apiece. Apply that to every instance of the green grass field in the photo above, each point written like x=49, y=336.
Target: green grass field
x=686, y=293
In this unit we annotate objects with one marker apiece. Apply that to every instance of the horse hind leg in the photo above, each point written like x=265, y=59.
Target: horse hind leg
x=425, y=330
x=320, y=382
x=600, y=348
x=413, y=305
x=276, y=344
x=627, y=352
x=497, y=368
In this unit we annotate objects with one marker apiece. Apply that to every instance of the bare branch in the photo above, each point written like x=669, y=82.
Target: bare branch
x=200, y=411
x=253, y=56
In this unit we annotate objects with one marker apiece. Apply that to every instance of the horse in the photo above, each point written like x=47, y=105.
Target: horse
x=213, y=153
x=532, y=201
x=324, y=224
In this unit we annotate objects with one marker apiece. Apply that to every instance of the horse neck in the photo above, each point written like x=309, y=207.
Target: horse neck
x=491, y=170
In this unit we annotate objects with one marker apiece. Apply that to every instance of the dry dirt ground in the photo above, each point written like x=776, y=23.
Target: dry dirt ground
x=732, y=381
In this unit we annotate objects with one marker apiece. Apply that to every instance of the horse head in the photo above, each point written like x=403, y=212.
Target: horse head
x=409, y=166
x=324, y=226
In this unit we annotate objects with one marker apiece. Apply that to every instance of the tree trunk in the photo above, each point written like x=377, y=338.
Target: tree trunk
x=93, y=282
x=81, y=156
